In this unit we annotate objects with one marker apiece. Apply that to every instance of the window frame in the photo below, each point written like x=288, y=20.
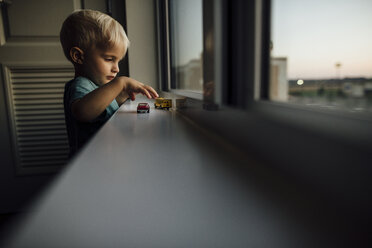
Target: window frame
x=166, y=74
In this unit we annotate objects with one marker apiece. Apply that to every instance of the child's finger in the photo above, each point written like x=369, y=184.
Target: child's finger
x=132, y=96
x=152, y=91
x=145, y=92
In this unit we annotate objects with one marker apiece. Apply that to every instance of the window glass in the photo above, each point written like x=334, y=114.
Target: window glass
x=186, y=31
x=321, y=53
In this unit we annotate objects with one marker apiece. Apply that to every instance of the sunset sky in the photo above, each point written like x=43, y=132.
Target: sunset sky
x=316, y=34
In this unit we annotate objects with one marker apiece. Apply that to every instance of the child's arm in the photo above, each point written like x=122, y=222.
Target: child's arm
x=93, y=104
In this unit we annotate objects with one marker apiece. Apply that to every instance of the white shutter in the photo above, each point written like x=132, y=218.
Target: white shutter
x=36, y=116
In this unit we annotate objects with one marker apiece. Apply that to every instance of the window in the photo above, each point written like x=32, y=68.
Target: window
x=280, y=126
x=321, y=54
x=186, y=42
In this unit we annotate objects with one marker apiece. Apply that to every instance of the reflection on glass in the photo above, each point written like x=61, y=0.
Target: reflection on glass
x=187, y=44
x=321, y=53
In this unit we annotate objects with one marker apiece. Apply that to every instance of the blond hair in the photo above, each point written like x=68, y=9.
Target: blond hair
x=90, y=29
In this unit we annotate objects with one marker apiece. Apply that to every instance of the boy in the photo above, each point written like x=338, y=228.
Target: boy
x=95, y=43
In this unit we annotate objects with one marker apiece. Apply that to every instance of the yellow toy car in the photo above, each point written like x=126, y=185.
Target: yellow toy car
x=163, y=103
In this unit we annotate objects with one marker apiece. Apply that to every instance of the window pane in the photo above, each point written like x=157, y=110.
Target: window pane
x=321, y=53
x=186, y=44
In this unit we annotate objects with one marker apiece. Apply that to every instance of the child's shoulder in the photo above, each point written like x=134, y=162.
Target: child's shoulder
x=79, y=86
x=81, y=82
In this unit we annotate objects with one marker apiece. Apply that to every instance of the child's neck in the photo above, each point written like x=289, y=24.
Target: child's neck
x=79, y=72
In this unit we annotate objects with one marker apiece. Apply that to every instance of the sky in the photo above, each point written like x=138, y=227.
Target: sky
x=314, y=35
x=188, y=30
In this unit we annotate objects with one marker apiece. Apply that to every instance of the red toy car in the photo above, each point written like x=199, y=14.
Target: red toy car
x=143, y=108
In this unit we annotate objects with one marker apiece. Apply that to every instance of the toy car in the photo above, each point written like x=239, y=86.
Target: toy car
x=163, y=103
x=143, y=108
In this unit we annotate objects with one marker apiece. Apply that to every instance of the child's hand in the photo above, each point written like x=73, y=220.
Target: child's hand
x=133, y=87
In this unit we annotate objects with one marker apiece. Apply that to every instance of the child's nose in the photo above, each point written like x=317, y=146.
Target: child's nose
x=115, y=68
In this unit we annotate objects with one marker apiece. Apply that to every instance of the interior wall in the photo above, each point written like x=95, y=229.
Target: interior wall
x=141, y=26
x=29, y=39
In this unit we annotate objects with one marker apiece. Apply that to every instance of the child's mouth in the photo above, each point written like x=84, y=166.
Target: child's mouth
x=110, y=78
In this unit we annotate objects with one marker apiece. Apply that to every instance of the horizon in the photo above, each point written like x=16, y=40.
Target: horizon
x=338, y=79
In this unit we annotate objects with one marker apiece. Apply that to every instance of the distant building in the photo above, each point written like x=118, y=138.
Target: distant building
x=278, y=89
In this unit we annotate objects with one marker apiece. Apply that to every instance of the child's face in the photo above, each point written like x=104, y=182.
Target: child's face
x=101, y=66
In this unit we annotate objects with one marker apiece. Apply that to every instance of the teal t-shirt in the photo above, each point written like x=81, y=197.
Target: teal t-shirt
x=80, y=132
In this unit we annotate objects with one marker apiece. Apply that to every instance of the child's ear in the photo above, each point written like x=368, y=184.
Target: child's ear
x=77, y=55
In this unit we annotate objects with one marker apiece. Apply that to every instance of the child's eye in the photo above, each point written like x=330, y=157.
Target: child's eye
x=108, y=59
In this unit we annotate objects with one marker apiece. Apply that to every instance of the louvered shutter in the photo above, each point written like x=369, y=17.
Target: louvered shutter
x=36, y=116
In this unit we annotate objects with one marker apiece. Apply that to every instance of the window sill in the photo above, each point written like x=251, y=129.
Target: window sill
x=326, y=151
x=198, y=95
x=180, y=184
